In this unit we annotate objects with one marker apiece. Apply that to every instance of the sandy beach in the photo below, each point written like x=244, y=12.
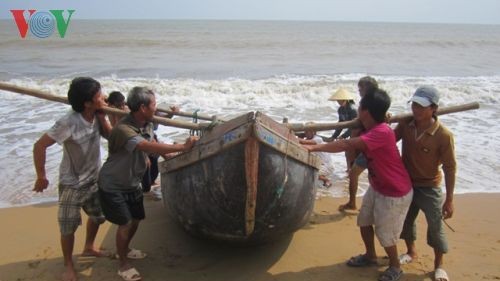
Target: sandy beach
x=31, y=251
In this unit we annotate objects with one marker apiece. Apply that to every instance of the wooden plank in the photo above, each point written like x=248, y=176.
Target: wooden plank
x=293, y=149
x=276, y=127
x=251, y=173
x=205, y=150
x=221, y=129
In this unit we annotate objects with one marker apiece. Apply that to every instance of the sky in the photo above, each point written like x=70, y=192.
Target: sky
x=418, y=11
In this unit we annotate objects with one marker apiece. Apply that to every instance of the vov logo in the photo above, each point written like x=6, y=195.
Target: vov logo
x=41, y=23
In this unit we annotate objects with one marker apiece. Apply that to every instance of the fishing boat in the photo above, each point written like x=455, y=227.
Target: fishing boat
x=246, y=180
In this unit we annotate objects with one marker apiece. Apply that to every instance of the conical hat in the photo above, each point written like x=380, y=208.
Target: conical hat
x=342, y=94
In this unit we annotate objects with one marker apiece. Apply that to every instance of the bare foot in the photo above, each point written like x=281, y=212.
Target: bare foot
x=95, y=253
x=347, y=206
x=69, y=275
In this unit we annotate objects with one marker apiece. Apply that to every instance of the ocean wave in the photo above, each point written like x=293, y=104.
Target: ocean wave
x=301, y=98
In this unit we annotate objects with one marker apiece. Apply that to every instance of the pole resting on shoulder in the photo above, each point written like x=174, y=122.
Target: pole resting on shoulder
x=299, y=127
x=63, y=99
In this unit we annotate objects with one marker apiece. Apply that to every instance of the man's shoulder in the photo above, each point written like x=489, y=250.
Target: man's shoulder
x=65, y=123
x=443, y=131
x=126, y=124
x=69, y=118
x=406, y=123
x=124, y=130
x=382, y=128
x=380, y=131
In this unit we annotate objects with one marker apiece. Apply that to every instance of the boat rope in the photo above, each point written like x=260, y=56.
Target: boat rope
x=200, y=132
x=449, y=226
x=285, y=178
x=195, y=120
x=281, y=188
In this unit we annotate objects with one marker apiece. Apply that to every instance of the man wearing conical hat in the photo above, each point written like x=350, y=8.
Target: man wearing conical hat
x=346, y=112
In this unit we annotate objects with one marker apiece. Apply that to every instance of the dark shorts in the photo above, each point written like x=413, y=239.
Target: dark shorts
x=430, y=201
x=122, y=207
x=361, y=161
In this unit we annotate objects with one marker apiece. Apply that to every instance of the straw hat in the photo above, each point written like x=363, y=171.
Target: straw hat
x=341, y=94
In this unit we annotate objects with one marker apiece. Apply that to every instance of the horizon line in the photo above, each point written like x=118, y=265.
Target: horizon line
x=280, y=20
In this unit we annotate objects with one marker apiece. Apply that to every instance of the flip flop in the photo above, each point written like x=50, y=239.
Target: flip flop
x=391, y=274
x=440, y=275
x=130, y=274
x=360, y=261
x=346, y=207
x=136, y=254
x=405, y=259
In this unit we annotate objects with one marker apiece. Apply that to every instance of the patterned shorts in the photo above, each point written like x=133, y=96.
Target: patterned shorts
x=70, y=202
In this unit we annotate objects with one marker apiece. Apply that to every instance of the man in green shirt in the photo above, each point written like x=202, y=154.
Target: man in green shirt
x=130, y=142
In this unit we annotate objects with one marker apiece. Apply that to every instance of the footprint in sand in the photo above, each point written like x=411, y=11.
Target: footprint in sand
x=34, y=264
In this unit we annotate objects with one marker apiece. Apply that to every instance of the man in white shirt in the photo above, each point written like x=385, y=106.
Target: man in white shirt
x=79, y=133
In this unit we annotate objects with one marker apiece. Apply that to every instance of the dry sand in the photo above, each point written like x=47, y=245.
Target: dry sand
x=30, y=248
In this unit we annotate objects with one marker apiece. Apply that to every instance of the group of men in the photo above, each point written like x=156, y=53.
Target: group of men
x=399, y=187
x=111, y=192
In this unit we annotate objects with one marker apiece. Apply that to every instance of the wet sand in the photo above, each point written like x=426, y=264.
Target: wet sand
x=31, y=251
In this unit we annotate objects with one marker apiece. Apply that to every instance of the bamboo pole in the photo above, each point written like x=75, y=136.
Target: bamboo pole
x=298, y=127
x=190, y=114
x=52, y=97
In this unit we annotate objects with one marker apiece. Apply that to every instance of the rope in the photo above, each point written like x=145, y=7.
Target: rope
x=200, y=132
x=281, y=187
x=285, y=177
x=449, y=226
x=195, y=120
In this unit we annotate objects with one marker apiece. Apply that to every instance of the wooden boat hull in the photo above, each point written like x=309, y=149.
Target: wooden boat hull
x=248, y=181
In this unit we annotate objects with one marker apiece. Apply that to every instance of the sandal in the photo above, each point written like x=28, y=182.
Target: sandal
x=134, y=254
x=391, y=274
x=440, y=275
x=361, y=261
x=347, y=206
x=130, y=274
x=405, y=259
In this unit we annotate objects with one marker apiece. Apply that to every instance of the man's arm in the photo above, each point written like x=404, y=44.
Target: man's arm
x=163, y=148
x=448, y=207
x=305, y=141
x=338, y=146
x=449, y=170
x=105, y=126
x=336, y=134
x=39, y=156
x=398, y=132
x=174, y=109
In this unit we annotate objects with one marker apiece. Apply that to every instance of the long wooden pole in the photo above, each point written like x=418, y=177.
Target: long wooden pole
x=52, y=97
x=190, y=114
x=394, y=119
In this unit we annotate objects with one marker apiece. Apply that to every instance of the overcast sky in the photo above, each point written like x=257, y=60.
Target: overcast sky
x=428, y=11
